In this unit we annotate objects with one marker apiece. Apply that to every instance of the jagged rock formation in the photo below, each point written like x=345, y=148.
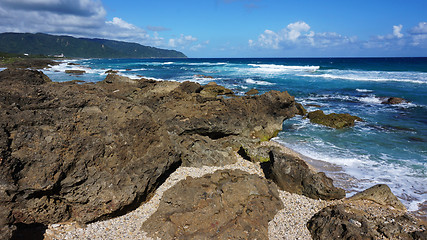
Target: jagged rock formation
x=222, y=205
x=85, y=152
x=291, y=173
x=372, y=214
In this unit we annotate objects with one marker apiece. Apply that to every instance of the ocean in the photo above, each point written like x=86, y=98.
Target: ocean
x=389, y=146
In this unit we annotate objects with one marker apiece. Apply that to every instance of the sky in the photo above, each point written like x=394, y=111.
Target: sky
x=235, y=28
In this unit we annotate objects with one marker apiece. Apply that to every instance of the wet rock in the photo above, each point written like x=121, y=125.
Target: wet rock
x=333, y=120
x=380, y=194
x=394, y=100
x=203, y=76
x=111, y=71
x=224, y=205
x=301, y=110
x=364, y=220
x=75, y=72
x=292, y=174
x=253, y=91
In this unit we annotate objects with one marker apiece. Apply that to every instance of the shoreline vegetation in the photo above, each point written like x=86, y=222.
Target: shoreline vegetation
x=80, y=164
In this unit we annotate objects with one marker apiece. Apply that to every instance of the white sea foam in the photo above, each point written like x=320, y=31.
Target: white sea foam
x=251, y=81
x=364, y=90
x=273, y=68
x=402, y=179
x=370, y=99
x=372, y=76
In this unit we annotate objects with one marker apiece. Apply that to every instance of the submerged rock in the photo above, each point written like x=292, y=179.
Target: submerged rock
x=228, y=204
x=75, y=72
x=85, y=152
x=333, y=120
x=394, y=100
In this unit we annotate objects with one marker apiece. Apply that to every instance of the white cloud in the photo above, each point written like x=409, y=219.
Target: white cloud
x=420, y=29
x=182, y=41
x=295, y=29
x=121, y=24
x=396, y=31
x=81, y=18
x=298, y=34
x=418, y=35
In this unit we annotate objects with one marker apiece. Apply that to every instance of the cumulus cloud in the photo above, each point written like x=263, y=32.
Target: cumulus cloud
x=298, y=34
x=55, y=16
x=396, y=31
x=182, y=41
x=81, y=18
x=415, y=37
x=418, y=35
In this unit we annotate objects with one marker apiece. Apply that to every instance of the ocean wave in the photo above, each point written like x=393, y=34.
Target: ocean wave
x=372, y=76
x=364, y=90
x=405, y=182
x=273, y=68
x=251, y=81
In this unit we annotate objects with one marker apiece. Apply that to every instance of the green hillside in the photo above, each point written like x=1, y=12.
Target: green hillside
x=46, y=44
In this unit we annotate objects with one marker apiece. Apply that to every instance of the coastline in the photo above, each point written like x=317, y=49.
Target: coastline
x=342, y=179
x=295, y=205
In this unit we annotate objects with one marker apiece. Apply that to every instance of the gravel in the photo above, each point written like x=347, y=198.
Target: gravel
x=289, y=223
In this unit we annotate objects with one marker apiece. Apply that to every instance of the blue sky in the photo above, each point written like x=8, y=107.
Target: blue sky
x=235, y=28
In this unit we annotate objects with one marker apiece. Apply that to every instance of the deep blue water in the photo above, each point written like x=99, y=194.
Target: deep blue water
x=390, y=146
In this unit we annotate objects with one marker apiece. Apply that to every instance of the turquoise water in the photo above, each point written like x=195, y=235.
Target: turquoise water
x=389, y=146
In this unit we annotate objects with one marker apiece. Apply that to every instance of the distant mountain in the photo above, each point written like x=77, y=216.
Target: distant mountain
x=46, y=44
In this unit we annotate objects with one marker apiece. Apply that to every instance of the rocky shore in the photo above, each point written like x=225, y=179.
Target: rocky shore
x=141, y=159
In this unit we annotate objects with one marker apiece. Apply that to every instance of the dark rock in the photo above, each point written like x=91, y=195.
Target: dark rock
x=203, y=76
x=364, y=220
x=85, y=152
x=292, y=174
x=313, y=105
x=73, y=64
x=380, y=194
x=301, y=110
x=224, y=205
x=213, y=89
x=251, y=92
x=111, y=71
x=32, y=63
x=190, y=87
x=333, y=120
x=75, y=72
x=30, y=77
x=394, y=100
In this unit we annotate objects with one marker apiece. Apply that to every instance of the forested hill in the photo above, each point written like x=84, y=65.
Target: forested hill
x=50, y=45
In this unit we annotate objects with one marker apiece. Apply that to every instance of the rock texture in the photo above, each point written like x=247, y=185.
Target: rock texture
x=364, y=220
x=333, y=120
x=223, y=205
x=394, y=100
x=85, y=152
x=380, y=194
x=293, y=175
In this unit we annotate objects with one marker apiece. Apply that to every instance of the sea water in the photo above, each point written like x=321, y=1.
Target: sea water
x=389, y=146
